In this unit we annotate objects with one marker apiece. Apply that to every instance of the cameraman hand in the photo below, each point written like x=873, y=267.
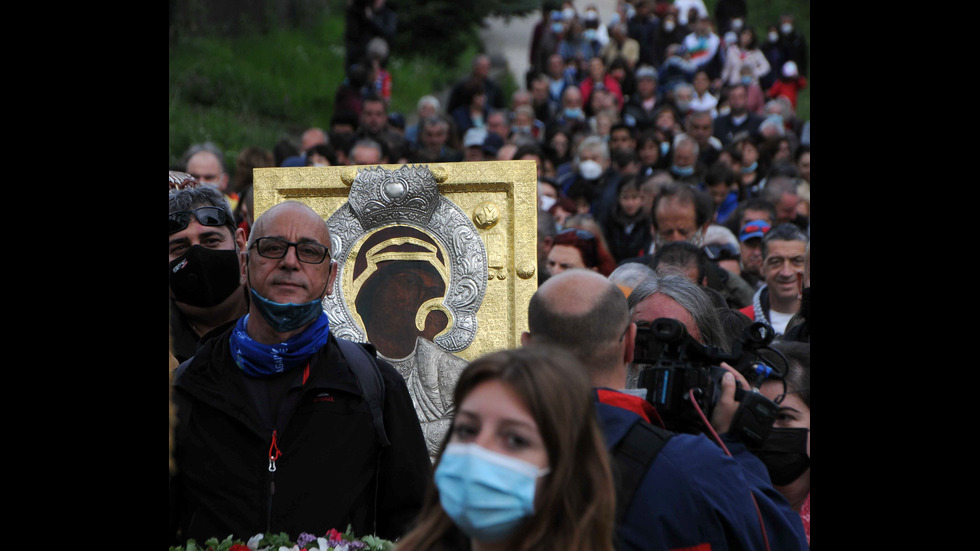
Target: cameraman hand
x=721, y=417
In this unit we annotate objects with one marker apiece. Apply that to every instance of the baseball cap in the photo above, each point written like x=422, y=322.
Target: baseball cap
x=474, y=137
x=753, y=228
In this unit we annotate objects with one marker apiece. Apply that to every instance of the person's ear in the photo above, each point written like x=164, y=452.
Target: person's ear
x=526, y=338
x=242, y=245
x=333, y=275
x=629, y=347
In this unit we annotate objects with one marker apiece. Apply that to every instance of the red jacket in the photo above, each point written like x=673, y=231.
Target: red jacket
x=788, y=88
x=609, y=83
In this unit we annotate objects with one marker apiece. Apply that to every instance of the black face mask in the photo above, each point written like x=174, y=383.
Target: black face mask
x=784, y=454
x=204, y=277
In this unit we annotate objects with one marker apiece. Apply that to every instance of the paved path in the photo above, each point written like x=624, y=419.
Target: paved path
x=511, y=40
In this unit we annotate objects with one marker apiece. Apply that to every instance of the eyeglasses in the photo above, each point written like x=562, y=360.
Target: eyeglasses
x=309, y=252
x=722, y=251
x=206, y=216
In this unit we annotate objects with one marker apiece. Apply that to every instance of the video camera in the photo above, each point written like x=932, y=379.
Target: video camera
x=675, y=364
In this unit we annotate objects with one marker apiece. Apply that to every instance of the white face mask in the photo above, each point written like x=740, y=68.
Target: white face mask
x=590, y=170
x=547, y=202
x=786, y=28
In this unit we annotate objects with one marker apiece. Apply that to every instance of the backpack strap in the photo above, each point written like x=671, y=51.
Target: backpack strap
x=369, y=379
x=632, y=458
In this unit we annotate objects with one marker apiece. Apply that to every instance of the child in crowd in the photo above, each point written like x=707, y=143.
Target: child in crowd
x=722, y=185
x=789, y=84
x=627, y=230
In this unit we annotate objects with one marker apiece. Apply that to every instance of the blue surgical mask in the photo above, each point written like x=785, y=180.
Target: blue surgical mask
x=556, y=28
x=682, y=170
x=284, y=318
x=589, y=34
x=751, y=168
x=487, y=495
x=574, y=113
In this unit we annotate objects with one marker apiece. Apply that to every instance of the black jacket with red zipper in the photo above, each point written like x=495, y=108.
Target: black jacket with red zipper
x=319, y=467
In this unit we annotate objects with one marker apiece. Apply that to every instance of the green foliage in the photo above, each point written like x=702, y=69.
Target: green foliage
x=443, y=29
x=211, y=544
x=505, y=8
x=440, y=29
x=256, y=90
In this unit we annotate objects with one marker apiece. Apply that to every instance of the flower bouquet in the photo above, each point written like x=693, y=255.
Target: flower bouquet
x=331, y=541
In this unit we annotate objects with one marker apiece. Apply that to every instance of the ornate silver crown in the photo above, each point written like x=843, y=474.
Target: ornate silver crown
x=380, y=196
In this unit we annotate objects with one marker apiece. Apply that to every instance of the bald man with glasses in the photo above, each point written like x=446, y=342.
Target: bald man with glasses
x=284, y=427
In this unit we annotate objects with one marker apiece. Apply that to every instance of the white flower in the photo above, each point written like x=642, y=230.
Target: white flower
x=253, y=542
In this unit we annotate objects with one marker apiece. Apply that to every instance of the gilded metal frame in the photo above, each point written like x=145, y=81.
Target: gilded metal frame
x=498, y=197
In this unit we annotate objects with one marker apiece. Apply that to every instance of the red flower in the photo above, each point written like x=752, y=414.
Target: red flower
x=239, y=547
x=334, y=535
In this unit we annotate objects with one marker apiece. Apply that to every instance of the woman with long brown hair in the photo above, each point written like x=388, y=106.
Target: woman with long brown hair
x=524, y=465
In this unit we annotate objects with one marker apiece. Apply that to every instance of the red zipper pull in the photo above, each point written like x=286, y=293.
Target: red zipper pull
x=274, y=453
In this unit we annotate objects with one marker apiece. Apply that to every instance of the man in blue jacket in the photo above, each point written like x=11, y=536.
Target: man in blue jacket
x=692, y=495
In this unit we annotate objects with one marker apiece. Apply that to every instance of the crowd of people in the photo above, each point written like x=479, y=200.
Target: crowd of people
x=673, y=182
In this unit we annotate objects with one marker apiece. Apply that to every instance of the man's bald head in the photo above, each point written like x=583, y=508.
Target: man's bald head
x=296, y=212
x=584, y=313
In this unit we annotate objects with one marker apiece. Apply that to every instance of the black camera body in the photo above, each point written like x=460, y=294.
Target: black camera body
x=676, y=366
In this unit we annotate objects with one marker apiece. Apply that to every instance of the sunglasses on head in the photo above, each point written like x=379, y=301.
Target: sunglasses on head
x=752, y=228
x=206, y=216
x=582, y=240
x=567, y=234
x=722, y=251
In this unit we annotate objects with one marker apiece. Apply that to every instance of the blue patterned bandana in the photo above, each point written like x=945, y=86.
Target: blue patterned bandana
x=263, y=360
